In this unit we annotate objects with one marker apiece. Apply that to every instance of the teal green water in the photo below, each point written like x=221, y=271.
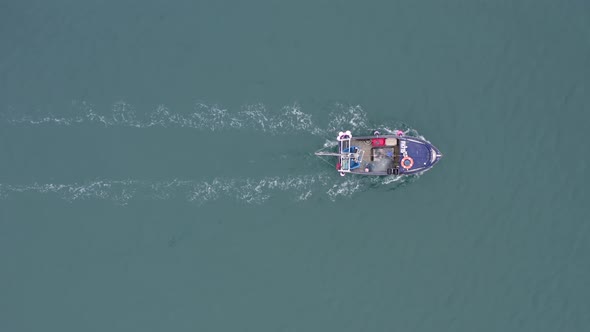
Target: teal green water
x=156, y=167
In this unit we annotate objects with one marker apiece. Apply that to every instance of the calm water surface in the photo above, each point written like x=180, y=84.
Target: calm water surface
x=156, y=167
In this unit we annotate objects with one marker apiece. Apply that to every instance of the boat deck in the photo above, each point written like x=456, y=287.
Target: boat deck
x=382, y=155
x=376, y=158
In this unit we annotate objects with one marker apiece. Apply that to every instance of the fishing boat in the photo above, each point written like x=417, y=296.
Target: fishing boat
x=382, y=155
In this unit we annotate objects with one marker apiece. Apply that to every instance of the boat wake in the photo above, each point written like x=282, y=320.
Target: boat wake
x=288, y=119
x=249, y=191
x=256, y=117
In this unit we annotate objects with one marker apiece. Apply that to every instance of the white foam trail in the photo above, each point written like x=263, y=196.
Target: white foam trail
x=251, y=191
x=405, y=129
x=210, y=117
x=344, y=188
x=330, y=144
x=346, y=117
x=285, y=120
x=391, y=179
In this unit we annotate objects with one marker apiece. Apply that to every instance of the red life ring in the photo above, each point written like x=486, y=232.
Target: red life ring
x=407, y=162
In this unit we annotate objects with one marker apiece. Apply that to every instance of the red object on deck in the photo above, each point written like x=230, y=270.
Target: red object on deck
x=378, y=142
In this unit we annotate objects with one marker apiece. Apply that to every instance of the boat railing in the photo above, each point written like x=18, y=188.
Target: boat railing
x=345, y=155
